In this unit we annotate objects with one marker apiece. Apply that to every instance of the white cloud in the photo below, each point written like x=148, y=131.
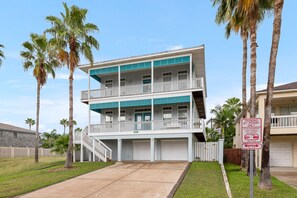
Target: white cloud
x=65, y=76
x=174, y=47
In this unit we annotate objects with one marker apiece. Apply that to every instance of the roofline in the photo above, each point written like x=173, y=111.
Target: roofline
x=18, y=131
x=277, y=91
x=141, y=56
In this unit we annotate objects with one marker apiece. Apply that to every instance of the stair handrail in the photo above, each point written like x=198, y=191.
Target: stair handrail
x=105, y=147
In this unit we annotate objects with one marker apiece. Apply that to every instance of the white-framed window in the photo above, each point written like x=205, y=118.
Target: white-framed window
x=108, y=117
x=108, y=86
x=123, y=116
x=167, y=113
x=182, y=77
x=146, y=83
x=167, y=84
x=183, y=114
x=123, y=82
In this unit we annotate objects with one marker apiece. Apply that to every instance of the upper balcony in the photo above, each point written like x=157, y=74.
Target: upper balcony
x=158, y=87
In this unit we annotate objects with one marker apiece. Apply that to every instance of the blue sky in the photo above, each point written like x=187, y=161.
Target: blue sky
x=130, y=28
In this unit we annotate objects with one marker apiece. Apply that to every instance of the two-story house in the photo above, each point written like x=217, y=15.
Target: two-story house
x=149, y=107
x=283, y=140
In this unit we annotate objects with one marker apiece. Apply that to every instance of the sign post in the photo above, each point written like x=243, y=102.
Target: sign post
x=251, y=139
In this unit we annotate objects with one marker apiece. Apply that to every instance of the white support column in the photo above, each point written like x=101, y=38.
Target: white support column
x=152, y=76
x=221, y=150
x=119, y=150
x=152, y=149
x=73, y=157
x=119, y=116
x=93, y=150
x=191, y=111
x=89, y=124
x=152, y=116
x=119, y=78
x=81, y=148
x=190, y=148
x=191, y=72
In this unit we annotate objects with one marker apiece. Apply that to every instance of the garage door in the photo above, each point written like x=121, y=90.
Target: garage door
x=141, y=150
x=174, y=150
x=281, y=154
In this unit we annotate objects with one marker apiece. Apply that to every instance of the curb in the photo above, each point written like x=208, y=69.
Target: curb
x=228, y=190
x=179, y=181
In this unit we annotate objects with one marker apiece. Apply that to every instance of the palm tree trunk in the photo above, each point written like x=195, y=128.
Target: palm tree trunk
x=30, y=127
x=253, y=69
x=64, y=130
x=68, y=163
x=37, y=122
x=265, y=178
x=244, y=64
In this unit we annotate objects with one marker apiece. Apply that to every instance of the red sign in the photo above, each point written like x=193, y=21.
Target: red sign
x=251, y=133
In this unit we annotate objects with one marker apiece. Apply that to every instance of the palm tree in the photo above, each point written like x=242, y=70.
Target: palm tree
x=71, y=38
x=61, y=144
x=233, y=105
x=265, y=178
x=65, y=123
x=39, y=56
x=49, y=138
x=1, y=54
x=30, y=122
x=78, y=130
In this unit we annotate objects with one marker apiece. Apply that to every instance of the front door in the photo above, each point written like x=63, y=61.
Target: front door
x=143, y=121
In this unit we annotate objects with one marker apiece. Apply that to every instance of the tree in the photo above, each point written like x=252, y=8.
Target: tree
x=39, y=56
x=234, y=105
x=78, y=130
x=49, y=138
x=61, y=144
x=72, y=39
x=65, y=123
x=1, y=54
x=212, y=135
x=30, y=122
x=265, y=177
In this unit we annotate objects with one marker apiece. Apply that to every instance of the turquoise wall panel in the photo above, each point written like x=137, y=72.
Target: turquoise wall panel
x=95, y=72
x=136, y=103
x=171, y=100
x=108, y=105
x=135, y=66
x=172, y=61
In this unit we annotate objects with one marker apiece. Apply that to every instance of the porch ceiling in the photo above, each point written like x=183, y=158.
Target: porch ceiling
x=199, y=100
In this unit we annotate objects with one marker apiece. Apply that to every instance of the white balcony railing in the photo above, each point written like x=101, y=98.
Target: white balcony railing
x=146, y=126
x=284, y=121
x=143, y=89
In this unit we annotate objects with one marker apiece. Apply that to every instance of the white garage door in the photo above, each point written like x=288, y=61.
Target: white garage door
x=174, y=150
x=281, y=154
x=141, y=150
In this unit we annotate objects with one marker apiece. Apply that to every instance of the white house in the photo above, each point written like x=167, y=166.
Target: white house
x=148, y=107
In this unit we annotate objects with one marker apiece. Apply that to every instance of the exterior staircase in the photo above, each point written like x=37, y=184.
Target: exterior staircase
x=94, y=145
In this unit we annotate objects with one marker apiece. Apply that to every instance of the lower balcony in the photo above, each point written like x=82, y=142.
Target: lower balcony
x=156, y=125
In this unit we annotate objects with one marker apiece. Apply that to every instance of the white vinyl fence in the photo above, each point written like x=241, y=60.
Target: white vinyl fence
x=209, y=151
x=11, y=152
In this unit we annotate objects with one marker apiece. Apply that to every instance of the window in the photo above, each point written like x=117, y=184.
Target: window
x=15, y=134
x=108, y=86
x=123, y=82
x=142, y=110
x=123, y=116
x=182, y=80
x=167, y=77
x=183, y=115
x=167, y=113
x=108, y=117
x=146, y=83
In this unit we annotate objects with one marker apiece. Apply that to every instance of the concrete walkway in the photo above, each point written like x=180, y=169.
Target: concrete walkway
x=120, y=180
x=287, y=175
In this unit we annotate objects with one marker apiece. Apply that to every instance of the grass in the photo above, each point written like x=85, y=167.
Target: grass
x=22, y=175
x=240, y=185
x=204, y=179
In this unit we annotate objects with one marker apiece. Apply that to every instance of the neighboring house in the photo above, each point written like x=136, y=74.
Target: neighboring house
x=148, y=107
x=15, y=136
x=283, y=139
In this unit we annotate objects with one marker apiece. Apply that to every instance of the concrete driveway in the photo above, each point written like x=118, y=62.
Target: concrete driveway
x=120, y=180
x=287, y=175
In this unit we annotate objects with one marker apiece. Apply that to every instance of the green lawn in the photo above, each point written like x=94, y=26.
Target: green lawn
x=204, y=179
x=22, y=175
x=240, y=185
